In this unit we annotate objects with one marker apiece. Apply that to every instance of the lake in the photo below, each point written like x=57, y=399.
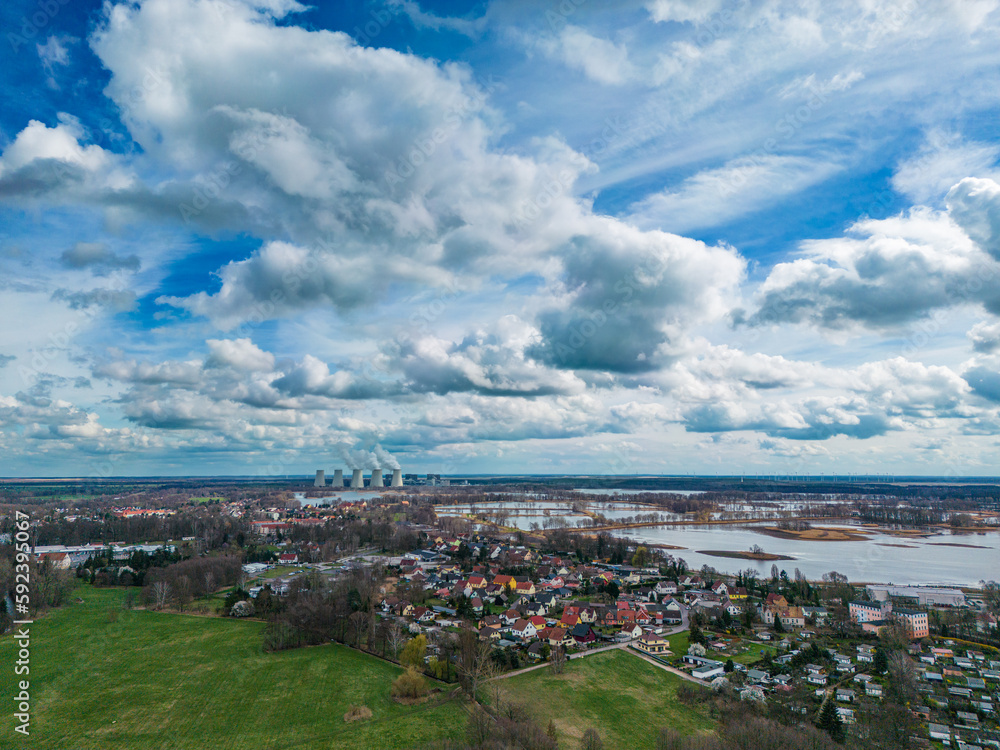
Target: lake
x=909, y=561
x=347, y=496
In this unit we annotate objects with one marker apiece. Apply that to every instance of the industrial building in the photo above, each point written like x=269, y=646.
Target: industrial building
x=924, y=596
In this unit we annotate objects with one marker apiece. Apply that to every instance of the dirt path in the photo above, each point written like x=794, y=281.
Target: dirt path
x=665, y=668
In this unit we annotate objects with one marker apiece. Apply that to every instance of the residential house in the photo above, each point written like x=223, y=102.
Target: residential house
x=569, y=621
x=583, y=634
x=628, y=633
x=524, y=629
x=507, y=582
x=651, y=643
x=535, y=651
x=535, y=608
x=559, y=637
x=819, y=614
x=666, y=587
x=525, y=588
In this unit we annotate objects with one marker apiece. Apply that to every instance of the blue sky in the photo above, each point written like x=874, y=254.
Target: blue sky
x=663, y=236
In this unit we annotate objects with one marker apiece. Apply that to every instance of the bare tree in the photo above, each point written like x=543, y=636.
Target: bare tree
x=474, y=663
x=358, y=622
x=591, y=740
x=991, y=595
x=182, y=591
x=161, y=593
x=902, y=678
x=396, y=638
x=558, y=659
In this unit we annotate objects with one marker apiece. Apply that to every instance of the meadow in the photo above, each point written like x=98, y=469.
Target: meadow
x=626, y=699
x=106, y=677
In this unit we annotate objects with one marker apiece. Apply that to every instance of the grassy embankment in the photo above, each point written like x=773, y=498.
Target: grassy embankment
x=625, y=698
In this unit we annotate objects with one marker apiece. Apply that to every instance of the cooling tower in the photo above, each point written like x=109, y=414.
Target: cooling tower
x=397, y=478
x=376, y=480
x=320, y=479
x=338, y=479
x=356, y=481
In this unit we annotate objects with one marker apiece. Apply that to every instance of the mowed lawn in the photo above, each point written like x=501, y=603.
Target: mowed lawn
x=167, y=681
x=626, y=699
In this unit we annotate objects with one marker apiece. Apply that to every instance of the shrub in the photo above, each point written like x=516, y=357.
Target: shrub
x=409, y=685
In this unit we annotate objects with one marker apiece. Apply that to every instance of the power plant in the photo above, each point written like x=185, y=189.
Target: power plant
x=384, y=468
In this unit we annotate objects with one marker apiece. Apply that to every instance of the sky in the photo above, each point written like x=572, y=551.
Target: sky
x=661, y=237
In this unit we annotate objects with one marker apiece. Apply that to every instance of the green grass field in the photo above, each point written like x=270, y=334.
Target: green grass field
x=625, y=698
x=280, y=571
x=172, y=682
x=753, y=654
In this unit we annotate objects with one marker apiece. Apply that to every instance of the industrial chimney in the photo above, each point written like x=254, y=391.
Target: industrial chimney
x=338, y=479
x=397, y=478
x=320, y=478
x=356, y=481
x=376, y=480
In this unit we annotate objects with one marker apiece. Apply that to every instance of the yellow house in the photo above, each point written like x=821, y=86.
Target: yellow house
x=507, y=582
x=651, y=643
x=525, y=587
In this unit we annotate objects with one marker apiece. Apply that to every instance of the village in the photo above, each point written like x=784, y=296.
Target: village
x=792, y=643
x=858, y=660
